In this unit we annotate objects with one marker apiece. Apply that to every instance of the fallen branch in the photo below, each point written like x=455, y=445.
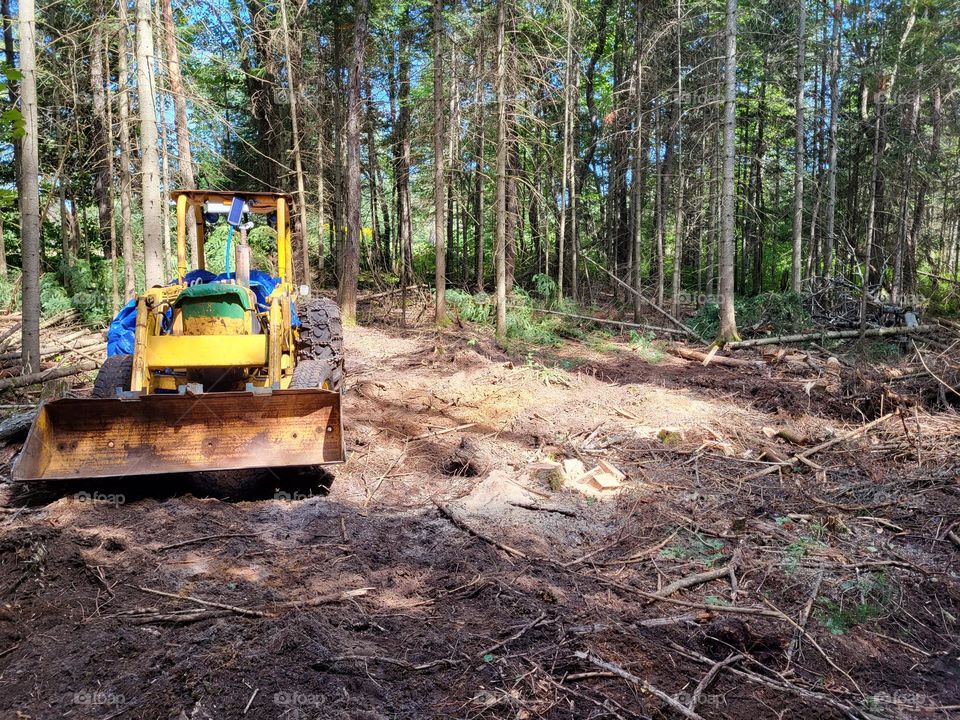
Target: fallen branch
x=806, y=454
x=804, y=616
x=388, y=661
x=519, y=633
x=330, y=599
x=207, y=603
x=687, y=330
x=831, y=335
x=640, y=682
x=690, y=581
x=605, y=321
x=709, y=678
x=194, y=541
x=462, y=524
x=41, y=377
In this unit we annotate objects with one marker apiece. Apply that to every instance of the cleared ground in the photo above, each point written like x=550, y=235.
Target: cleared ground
x=438, y=574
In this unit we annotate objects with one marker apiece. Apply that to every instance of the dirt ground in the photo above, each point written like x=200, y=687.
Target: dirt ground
x=439, y=574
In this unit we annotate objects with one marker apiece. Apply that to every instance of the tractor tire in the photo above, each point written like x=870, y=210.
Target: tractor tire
x=321, y=339
x=114, y=373
x=314, y=374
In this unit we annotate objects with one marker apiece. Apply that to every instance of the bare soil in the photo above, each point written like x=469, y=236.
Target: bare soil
x=436, y=574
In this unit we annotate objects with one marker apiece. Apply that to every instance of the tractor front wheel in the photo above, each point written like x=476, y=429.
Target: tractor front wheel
x=114, y=373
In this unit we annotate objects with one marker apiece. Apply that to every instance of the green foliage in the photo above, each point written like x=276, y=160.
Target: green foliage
x=526, y=326
x=694, y=547
x=775, y=313
x=644, y=347
x=12, y=124
x=472, y=308
x=262, y=240
x=861, y=599
x=9, y=292
x=53, y=298
x=545, y=286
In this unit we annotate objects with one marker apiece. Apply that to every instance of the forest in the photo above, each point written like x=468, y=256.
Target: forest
x=696, y=152
x=480, y=359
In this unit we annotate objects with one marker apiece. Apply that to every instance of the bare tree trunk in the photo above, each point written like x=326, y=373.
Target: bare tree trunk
x=728, y=318
x=478, y=198
x=500, y=205
x=639, y=178
x=567, y=132
x=439, y=189
x=28, y=190
x=798, y=165
x=678, y=225
x=184, y=155
x=292, y=91
x=402, y=171
x=126, y=181
x=101, y=133
x=149, y=158
x=351, y=256
x=829, y=240
x=114, y=288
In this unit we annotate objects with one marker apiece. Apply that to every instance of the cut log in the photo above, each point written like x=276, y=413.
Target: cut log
x=832, y=335
x=695, y=356
x=40, y=377
x=89, y=343
x=59, y=317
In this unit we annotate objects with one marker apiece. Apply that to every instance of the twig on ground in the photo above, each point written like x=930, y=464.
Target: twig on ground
x=194, y=541
x=519, y=633
x=709, y=678
x=640, y=682
x=208, y=603
x=463, y=525
x=804, y=616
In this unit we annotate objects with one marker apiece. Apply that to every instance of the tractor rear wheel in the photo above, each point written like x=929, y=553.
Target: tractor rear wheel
x=114, y=373
x=320, y=350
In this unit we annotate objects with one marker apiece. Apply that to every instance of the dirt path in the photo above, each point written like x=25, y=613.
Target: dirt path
x=441, y=576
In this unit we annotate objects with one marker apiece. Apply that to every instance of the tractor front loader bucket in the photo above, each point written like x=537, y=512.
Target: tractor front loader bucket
x=159, y=434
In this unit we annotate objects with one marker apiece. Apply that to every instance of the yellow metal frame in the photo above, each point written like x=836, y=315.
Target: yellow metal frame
x=161, y=361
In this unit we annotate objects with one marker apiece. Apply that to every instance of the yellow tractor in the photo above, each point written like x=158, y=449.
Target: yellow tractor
x=219, y=372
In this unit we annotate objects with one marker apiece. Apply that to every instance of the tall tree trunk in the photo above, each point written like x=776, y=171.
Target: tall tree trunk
x=101, y=132
x=292, y=91
x=728, y=319
x=567, y=139
x=28, y=190
x=500, y=205
x=829, y=239
x=402, y=171
x=149, y=158
x=126, y=179
x=351, y=256
x=114, y=285
x=478, y=177
x=184, y=155
x=798, y=164
x=439, y=188
x=639, y=179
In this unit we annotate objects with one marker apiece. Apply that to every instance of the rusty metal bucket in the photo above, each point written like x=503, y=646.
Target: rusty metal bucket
x=159, y=434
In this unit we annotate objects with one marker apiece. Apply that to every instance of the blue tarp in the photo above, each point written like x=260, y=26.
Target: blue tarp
x=123, y=327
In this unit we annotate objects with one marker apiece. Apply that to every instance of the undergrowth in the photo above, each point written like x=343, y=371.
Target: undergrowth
x=767, y=313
